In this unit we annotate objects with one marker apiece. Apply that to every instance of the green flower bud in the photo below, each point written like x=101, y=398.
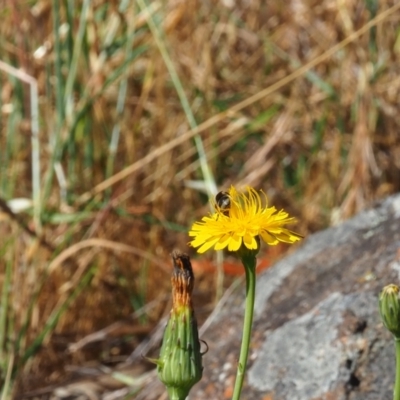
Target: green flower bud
x=389, y=308
x=180, y=364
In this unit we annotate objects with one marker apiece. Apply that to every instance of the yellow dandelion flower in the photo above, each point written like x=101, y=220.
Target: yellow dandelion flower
x=241, y=219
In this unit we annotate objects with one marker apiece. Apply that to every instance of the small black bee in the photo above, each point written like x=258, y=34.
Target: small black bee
x=223, y=202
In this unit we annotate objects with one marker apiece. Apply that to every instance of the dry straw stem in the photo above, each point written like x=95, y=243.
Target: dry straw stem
x=236, y=108
x=106, y=244
x=256, y=167
x=7, y=380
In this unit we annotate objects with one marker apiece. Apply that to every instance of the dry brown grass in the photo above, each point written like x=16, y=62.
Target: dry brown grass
x=299, y=99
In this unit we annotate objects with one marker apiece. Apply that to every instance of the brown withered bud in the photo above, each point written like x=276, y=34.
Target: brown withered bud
x=182, y=280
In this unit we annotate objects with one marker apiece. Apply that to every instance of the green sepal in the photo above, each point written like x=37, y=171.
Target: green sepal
x=156, y=361
x=180, y=364
x=389, y=308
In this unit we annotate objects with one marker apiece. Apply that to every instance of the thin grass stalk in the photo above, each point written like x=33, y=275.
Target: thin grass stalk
x=62, y=181
x=69, y=86
x=158, y=37
x=8, y=181
x=22, y=332
x=59, y=90
x=3, y=149
x=70, y=12
x=57, y=61
x=120, y=105
x=4, y=311
x=68, y=95
x=220, y=276
x=34, y=100
x=36, y=181
x=89, y=146
x=7, y=381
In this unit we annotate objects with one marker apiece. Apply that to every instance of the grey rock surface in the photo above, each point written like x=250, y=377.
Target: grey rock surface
x=317, y=332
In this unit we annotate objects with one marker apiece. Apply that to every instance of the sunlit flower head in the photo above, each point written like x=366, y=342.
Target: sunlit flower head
x=241, y=219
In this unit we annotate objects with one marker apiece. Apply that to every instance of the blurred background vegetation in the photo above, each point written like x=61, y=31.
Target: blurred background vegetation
x=120, y=118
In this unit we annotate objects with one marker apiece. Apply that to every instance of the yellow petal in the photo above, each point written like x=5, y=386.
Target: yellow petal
x=198, y=241
x=287, y=236
x=250, y=242
x=269, y=239
x=223, y=242
x=207, y=245
x=234, y=243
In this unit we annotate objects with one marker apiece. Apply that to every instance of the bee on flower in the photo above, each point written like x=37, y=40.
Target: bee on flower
x=223, y=202
x=242, y=219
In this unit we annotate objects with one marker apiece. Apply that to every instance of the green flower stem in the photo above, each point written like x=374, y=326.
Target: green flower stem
x=175, y=394
x=249, y=263
x=396, y=394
